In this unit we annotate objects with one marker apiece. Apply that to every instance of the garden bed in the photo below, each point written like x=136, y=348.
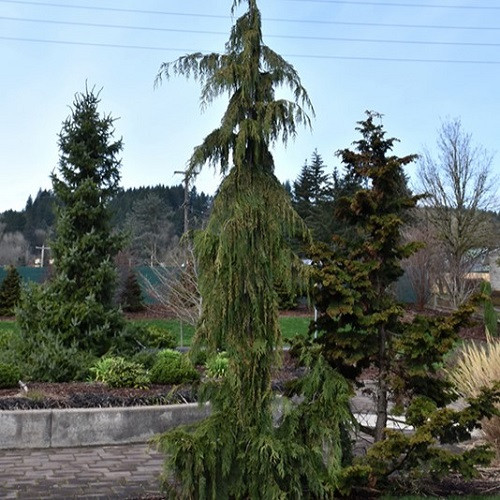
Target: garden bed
x=96, y=395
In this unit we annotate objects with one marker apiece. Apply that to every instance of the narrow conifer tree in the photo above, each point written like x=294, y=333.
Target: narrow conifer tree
x=361, y=324
x=10, y=292
x=75, y=309
x=238, y=452
x=131, y=298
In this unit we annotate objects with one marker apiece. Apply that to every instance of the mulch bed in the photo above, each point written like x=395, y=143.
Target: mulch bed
x=45, y=395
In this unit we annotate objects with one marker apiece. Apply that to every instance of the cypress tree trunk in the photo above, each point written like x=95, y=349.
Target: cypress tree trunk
x=381, y=422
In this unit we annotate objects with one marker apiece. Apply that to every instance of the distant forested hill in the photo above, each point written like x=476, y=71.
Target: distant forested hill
x=22, y=231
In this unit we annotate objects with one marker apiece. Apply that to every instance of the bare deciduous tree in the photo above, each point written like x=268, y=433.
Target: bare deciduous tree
x=176, y=285
x=423, y=267
x=151, y=228
x=14, y=249
x=460, y=187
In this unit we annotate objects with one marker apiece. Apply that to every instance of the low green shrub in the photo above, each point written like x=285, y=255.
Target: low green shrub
x=9, y=376
x=159, y=338
x=45, y=358
x=217, y=366
x=172, y=367
x=136, y=337
x=146, y=358
x=119, y=372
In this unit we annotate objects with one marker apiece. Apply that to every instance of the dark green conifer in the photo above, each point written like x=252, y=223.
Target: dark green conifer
x=312, y=197
x=76, y=307
x=10, y=292
x=239, y=452
x=361, y=324
x=131, y=298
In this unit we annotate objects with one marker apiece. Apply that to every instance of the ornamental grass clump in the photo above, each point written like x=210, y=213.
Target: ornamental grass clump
x=216, y=366
x=478, y=366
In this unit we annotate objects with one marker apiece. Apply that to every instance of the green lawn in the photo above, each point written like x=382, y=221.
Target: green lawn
x=6, y=325
x=290, y=327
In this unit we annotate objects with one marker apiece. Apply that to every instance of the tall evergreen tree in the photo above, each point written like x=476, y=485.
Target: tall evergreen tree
x=360, y=324
x=238, y=452
x=76, y=307
x=367, y=263
x=312, y=196
x=152, y=230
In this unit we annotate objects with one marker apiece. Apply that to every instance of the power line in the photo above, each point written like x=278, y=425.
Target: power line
x=397, y=4
x=273, y=19
x=223, y=33
x=92, y=44
x=308, y=56
x=112, y=9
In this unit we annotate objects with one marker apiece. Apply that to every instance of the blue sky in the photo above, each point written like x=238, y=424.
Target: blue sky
x=415, y=62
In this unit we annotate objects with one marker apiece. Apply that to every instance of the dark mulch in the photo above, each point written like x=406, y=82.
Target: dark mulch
x=487, y=484
x=91, y=395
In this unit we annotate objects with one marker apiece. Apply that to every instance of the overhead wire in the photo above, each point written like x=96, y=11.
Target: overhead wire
x=223, y=33
x=220, y=16
x=319, y=38
x=399, y=4
x=308, y=56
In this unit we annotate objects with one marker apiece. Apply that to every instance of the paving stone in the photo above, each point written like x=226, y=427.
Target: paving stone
x=111, y=472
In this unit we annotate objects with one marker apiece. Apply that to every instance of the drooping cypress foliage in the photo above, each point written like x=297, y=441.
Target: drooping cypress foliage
x=238, y=452
x=10, y=292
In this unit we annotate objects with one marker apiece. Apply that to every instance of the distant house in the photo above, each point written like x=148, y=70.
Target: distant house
x=494, y=258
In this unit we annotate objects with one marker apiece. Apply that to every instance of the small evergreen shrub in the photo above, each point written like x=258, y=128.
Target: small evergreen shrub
x=119, y=372
x=136, y=337
x=146, y=358
x=172, y=367
x=44, y=357
x=217, y=366
x=159, y=338
x=9, y=376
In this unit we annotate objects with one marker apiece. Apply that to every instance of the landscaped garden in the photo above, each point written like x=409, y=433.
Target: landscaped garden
x=71, y=344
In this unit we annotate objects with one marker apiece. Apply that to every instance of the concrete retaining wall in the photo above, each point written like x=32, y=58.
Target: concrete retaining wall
x=92, y=426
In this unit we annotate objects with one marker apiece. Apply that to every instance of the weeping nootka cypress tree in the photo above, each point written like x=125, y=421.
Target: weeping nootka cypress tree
x=238, y=452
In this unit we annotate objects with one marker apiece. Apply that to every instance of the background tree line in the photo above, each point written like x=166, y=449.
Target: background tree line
x=152, y=216
x=457, y=220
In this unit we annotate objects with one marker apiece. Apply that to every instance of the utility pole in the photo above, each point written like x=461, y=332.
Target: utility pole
x=186, y=225
x=186, y=198
x=42, y=258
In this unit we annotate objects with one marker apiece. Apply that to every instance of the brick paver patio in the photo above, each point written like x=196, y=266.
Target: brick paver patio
x=105, y=472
